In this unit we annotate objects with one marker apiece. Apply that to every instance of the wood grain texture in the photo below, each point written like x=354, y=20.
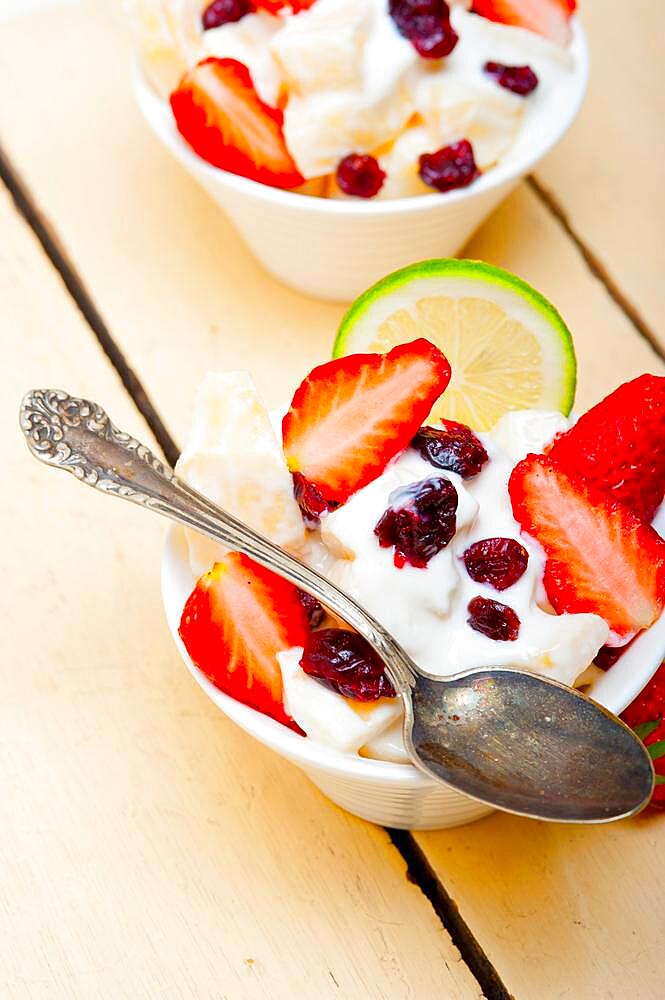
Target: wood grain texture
x=607, y=173
x=148, y=848
x=564, y=913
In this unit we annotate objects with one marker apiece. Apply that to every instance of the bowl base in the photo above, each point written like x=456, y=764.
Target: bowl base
x=434, y=807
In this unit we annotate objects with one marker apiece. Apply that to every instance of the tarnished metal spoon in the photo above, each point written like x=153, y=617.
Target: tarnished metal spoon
x=506, y=737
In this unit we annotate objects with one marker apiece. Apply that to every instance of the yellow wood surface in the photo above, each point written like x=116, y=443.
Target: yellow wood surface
x=564, y=913
x=560, y=912
x=607, y=173
x=148, y=848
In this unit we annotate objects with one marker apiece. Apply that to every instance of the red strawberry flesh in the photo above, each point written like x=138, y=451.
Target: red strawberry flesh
x=236, y=620
x=600, y=557
x=619, y=445
x=220, y=115
x=352, y=416
x=546, y=17
x=646, y=715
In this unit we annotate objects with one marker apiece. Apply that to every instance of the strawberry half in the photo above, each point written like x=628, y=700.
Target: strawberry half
x=619, y=445
x=235, y=621
x=600, y=557
x=546, y=17
x=351, y=416
x=221, y=116
x=646, y=715
x=274, y=6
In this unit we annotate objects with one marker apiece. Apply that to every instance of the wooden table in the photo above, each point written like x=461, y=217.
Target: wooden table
x=148, y=848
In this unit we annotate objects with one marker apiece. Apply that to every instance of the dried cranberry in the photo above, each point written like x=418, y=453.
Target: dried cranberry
x=347, y=663
x=450, y=167
x=224, y=12
x=497, y=561
x=432, y=37
x=309, y=498
x=360, y=175
x=453, y=447
x=519, y=79
x=419, y=522
x=495, y=620
x=313, y=608
x=426, y=24
x=404, y=11
x=607, y=656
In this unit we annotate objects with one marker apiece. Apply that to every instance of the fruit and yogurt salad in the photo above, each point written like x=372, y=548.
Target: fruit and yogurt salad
x=438, y=480
x=360, y=98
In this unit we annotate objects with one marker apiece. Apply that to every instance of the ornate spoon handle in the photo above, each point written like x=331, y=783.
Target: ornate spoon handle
x=78, y=436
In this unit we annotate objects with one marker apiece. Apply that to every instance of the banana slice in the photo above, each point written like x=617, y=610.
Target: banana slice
x=456, y=107
x=233, y=457
x=322, y=47
x=323, y=122
x=400, y=160
x=169, y=38
x=327, y=716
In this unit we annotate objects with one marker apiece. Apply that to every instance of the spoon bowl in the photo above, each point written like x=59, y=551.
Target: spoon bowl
x=511, y=739
x=523, y=745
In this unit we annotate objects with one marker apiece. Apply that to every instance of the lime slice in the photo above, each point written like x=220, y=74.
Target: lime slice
x=508, y=347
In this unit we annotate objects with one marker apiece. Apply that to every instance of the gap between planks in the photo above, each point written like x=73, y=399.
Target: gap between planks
x=418, y=869
x=74, y=284
x=595, y=265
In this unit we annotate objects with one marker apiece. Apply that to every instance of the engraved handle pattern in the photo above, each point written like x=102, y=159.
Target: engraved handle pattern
x=54, y=423
x=78, y=436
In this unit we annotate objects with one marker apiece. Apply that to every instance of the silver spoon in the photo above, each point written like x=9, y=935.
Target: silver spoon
x=506, y=737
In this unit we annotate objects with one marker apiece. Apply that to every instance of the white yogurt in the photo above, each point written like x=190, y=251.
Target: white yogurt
x=348, y=81
x=425, y=608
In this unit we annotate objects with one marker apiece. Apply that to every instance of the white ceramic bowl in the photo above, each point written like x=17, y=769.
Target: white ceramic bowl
x=394, y=795
x=335, y=249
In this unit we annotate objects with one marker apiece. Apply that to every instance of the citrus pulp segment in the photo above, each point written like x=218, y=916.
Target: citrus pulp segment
x=508, y=347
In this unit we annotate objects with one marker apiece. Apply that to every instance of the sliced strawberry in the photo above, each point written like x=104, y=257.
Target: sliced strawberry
x=235, y=621
x=646, y=715
x=546, y=17
x=274, y=6
x=619, y=445
x=351, y=416
x=223, y=119
x=600, y=557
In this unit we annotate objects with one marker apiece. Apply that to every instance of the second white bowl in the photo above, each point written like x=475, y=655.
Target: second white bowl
x=334, y=249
